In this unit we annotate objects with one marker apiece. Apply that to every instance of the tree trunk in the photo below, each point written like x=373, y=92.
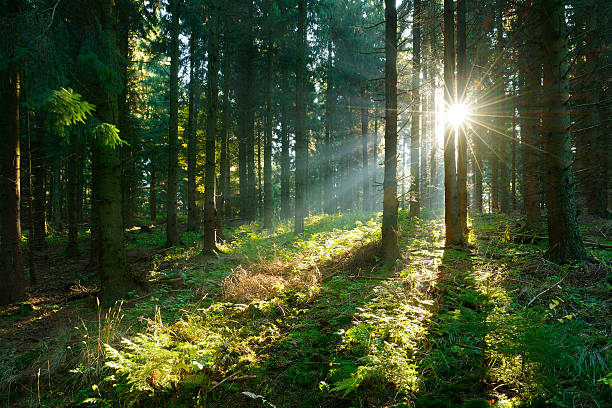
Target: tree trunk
x=209, y=242
x=224, y=187
x=284, y=161
x=268, y=198
x=330, y=101
x=454, y=232
x=594, y=138
x=530, y=72
x=172, y=235
x=415, y=199
x=258, y=131
x=462, y=157
x=153, y=191
x=390, y=248
x=112, y=265
x=11, y=275
x=72, y=249
x=365, y=169
x=27, y=191
x=301, y=146
x=193, y=216
x=127, y=164
x=564, y=242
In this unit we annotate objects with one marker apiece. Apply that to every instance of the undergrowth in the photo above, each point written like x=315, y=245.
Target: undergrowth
x=314, y=320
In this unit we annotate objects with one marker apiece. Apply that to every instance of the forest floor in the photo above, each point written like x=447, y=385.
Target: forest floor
x=279, y=320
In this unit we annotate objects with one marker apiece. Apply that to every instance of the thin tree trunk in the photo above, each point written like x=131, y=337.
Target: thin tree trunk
x=172, y=235
x=330, y=96
x=258, y=132
x=301, y=146
x=415, y=130
x=462, y=129
x=27, y=191
x=454, y=232
x=153, y=191
x=365, y=169
x=224, y=188
x=193, y=218
x=72, y=250
x=209, y=242
x=284, y=162
x=390, y=248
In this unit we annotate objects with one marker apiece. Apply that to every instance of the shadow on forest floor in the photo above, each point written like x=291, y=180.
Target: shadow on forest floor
x=314, y=321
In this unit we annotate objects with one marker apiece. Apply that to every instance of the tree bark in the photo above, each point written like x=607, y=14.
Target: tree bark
x=415, y=130
x=390, y=248
x=564, y=242
x=454, y=232
x=462, y=78
x=11, y=275
x=112, y=265
x=268, y=198
x=365, y=168
x=530, y=73
x=72, y=249
x=330, y=101
x=172, y=235
x=153, y=191
x=301, y=146
x=285, y=161
x=209, y=242
x=224, y=187
x=193, y=215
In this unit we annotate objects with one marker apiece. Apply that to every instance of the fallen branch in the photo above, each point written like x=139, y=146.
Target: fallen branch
x=233, y=378
x=543, y=292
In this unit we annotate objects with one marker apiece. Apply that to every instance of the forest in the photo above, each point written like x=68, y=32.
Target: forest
x=306, y=203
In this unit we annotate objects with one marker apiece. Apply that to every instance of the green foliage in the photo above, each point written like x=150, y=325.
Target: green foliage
x=65, y=108
x=107, y=134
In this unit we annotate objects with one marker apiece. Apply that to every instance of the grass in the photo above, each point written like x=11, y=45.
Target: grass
x=314, y=320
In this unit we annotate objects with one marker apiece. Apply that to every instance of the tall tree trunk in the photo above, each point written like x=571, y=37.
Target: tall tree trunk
x=390, y=248
x=564, y=241
x=72, y=249
x=172, y=235
x=330, y=100
x=193, y=215
x=258, y=131
x=365, y=169
x=27, y=191
x=209, y=242
x=112, y=265
x=268, y=198
x=301, y=146
x=347, y=161
x=153, y=191
x=530, y=72
x=513, y=161
x=224, y=187
x=284, y=161
x=462, y=157
x=127, y=163
x=415, y=130
x=11, y=275
x=373, y=173
x=594, y=138
x=454, y=232
x=246, y=157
